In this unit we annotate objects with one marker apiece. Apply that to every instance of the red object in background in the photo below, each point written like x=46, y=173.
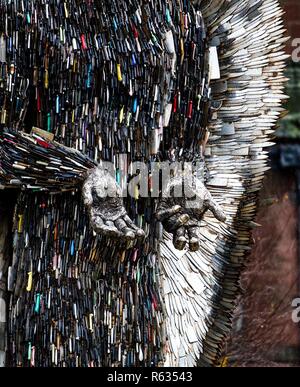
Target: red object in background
x=175, y=103
x=38, y=102
x=292, y=21
x=83, y=42
x=135, y=32
x=43, y=143
x=190, y=110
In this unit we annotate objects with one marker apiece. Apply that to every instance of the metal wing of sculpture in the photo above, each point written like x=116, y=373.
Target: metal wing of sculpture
x=200, y=289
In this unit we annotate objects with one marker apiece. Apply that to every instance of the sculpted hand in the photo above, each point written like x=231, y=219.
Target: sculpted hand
x=102, y=196
x=181, y=214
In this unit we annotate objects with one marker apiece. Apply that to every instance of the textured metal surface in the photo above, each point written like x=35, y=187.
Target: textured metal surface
x=200, y=289
x=182, y=215
x=82, y=299
x=103, y=198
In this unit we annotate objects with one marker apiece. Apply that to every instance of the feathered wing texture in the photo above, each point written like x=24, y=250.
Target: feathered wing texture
x=200, y=289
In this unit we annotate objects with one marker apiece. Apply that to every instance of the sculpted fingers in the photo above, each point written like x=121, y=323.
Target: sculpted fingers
x=176, y=221
x=180, y=240
x=138, y=231
x=105, y=229
x=216, y=210
x=165, y=213
x=194, y=241
x=113, y=231
x=124, y=229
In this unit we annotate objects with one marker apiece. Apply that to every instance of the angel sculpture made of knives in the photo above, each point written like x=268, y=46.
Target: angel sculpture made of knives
x=124, y=82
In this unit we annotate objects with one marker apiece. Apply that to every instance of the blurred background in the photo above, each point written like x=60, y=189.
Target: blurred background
x=264, y=331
